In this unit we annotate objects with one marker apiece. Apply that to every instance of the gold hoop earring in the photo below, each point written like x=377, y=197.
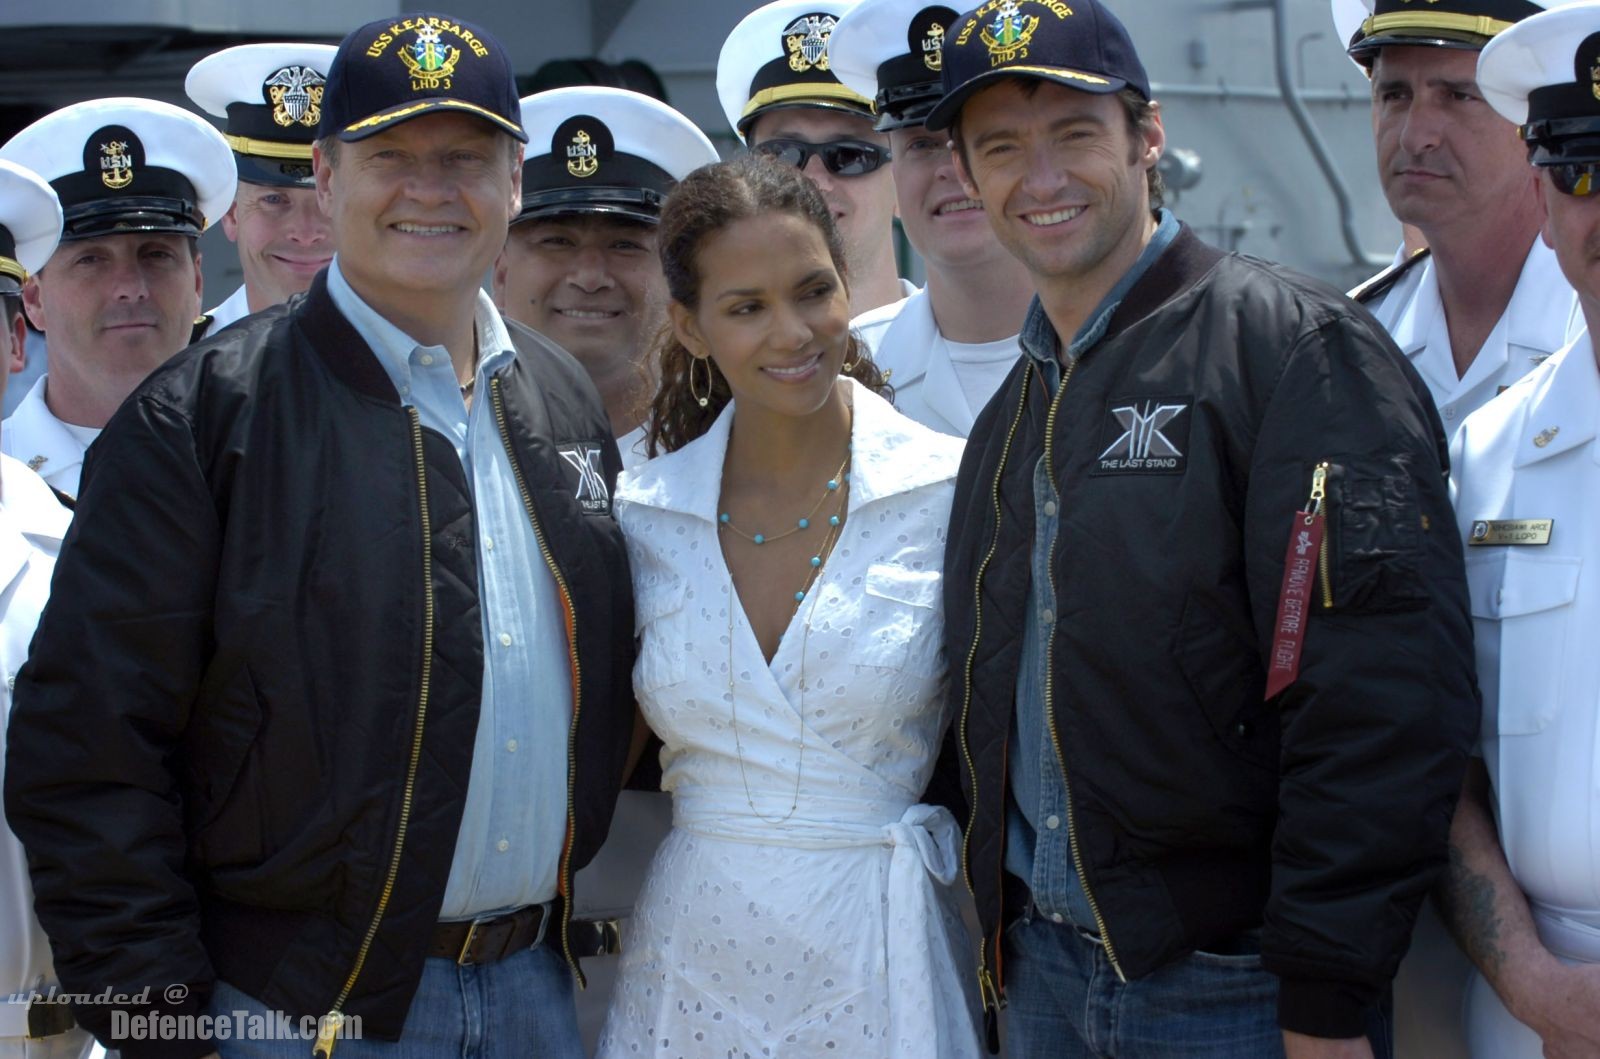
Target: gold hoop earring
x=703, y=401
x=849, y=367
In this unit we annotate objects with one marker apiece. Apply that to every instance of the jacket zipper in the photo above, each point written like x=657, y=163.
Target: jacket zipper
x=577, y=680
x=329, y=1025
x=1049, y=691
x=987, y=987
x=1319, y=491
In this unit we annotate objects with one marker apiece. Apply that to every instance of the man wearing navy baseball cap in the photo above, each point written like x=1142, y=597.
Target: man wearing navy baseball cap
x=335, y=745
x=1209, y=825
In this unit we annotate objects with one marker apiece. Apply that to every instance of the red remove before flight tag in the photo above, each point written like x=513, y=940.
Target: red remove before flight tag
x=1294, y=601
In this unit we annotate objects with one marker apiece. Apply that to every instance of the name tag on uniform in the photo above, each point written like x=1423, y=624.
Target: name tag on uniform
x=1510, y=531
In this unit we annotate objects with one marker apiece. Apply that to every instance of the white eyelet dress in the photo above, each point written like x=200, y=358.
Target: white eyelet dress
x=835, y=931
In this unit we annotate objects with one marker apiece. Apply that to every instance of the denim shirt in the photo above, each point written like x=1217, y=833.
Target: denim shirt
x=508, y=851
x=1038, y=847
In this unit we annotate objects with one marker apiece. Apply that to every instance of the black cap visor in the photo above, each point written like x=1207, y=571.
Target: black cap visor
x=1559, y=141
x=276, y=172
x=944, y=114
x=906, y=106
x=1365, y=50
x=388, y=119
x=630, y=203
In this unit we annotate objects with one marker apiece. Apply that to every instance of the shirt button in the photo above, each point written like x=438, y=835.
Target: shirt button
x=505, y=639
x=1052, y=821
x=1050, y=508
x=1450, y=412
x=502, y=845
x=405, y=391
x=1047, y=616
x=488, y=544
x=426, y=360
x=511, y=746
x=1057, y=917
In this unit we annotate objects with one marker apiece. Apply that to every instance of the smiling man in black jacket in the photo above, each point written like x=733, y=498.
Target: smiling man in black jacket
x=334, y=693
x=1205, y=610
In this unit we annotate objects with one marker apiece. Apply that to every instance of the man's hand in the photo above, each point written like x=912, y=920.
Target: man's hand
x=1562, y=1005
x=1299, y=1046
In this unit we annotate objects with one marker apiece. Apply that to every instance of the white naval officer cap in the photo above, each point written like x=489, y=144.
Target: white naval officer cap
x=777, y=56
x=605, y=151
x=129, y=165
x=1365, y=26
x=891, y=51
x=1543, y=74
x=30, y=224
x=271, y=98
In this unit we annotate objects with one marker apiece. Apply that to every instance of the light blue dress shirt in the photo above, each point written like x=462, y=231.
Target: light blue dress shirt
x=1038, y=844
x=508, y=851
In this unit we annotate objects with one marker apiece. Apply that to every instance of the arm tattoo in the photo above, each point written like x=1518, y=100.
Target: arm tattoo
x=1467, y=899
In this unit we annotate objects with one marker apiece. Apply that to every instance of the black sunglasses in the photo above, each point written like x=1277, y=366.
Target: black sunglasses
x=839, y=157
x=1578, y=179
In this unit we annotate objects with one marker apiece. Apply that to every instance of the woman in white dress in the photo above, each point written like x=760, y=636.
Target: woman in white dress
x=787, y=551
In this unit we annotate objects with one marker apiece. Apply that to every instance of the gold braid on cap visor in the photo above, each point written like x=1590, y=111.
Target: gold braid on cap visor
x=1482, y=25
x=13, y=268
x=300, y=152
x=818, y=90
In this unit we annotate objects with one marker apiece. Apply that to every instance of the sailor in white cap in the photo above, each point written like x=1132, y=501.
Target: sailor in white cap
x=1474, y=306
x=781, y=96
x=32, y=524
x=271, y=98
x=948, y=346
x=580, y=264
x=138, y=180
x=580, y=267
x=1523, y=889
x=1484, y=301
x=30, y=228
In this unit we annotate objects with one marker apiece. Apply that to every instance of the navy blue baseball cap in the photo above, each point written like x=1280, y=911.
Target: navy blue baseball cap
x=1082, y=46
x=401, y=68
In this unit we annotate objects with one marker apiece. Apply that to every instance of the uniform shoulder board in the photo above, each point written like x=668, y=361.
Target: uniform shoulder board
x=201, y=324
x=67, y=500
x=1379, y=285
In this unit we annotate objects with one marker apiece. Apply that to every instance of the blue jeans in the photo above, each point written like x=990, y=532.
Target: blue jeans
x=1065, y=1002
x=520, y=1007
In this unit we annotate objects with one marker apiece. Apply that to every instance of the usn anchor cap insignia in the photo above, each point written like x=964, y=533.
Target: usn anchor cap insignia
x=583, y=155
x=933, y=47
x=117, y=146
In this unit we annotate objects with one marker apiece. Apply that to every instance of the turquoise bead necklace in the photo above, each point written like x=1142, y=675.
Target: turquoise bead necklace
x=830, y=489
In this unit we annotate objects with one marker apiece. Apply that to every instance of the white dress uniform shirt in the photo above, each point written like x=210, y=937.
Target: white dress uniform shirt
x=54, y=449
x=941, y=384
x=1533, y=454
x=237, y=307
x=32, y=523
x=1541, y=317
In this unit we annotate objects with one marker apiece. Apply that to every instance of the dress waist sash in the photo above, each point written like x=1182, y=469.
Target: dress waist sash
x=924, y=846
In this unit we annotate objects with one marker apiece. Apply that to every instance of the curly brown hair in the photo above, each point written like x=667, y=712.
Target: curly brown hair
x=705, y=202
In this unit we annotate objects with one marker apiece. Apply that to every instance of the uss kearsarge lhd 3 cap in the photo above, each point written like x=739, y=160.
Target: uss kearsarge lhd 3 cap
x=1081, y=45
x=397, y=69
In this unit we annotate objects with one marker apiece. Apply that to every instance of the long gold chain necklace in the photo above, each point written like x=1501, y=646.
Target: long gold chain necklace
x=837, y=486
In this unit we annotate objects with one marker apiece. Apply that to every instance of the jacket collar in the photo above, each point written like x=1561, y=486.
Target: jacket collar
x=891, y=454
x=1562, y=412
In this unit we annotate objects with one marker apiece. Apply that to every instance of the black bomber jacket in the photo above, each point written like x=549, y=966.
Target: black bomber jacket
x=1184, y=443
x=241, y=746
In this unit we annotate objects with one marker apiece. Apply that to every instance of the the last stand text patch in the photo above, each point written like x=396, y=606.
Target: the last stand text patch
x=1144, y=435
x=585, y=474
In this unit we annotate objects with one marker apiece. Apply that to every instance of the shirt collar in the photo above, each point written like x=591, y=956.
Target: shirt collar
x=1038, y=338
x=394, y=348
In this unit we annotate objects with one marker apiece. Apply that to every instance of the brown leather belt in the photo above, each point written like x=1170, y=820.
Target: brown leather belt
x=480, y=941
x=488, y=940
